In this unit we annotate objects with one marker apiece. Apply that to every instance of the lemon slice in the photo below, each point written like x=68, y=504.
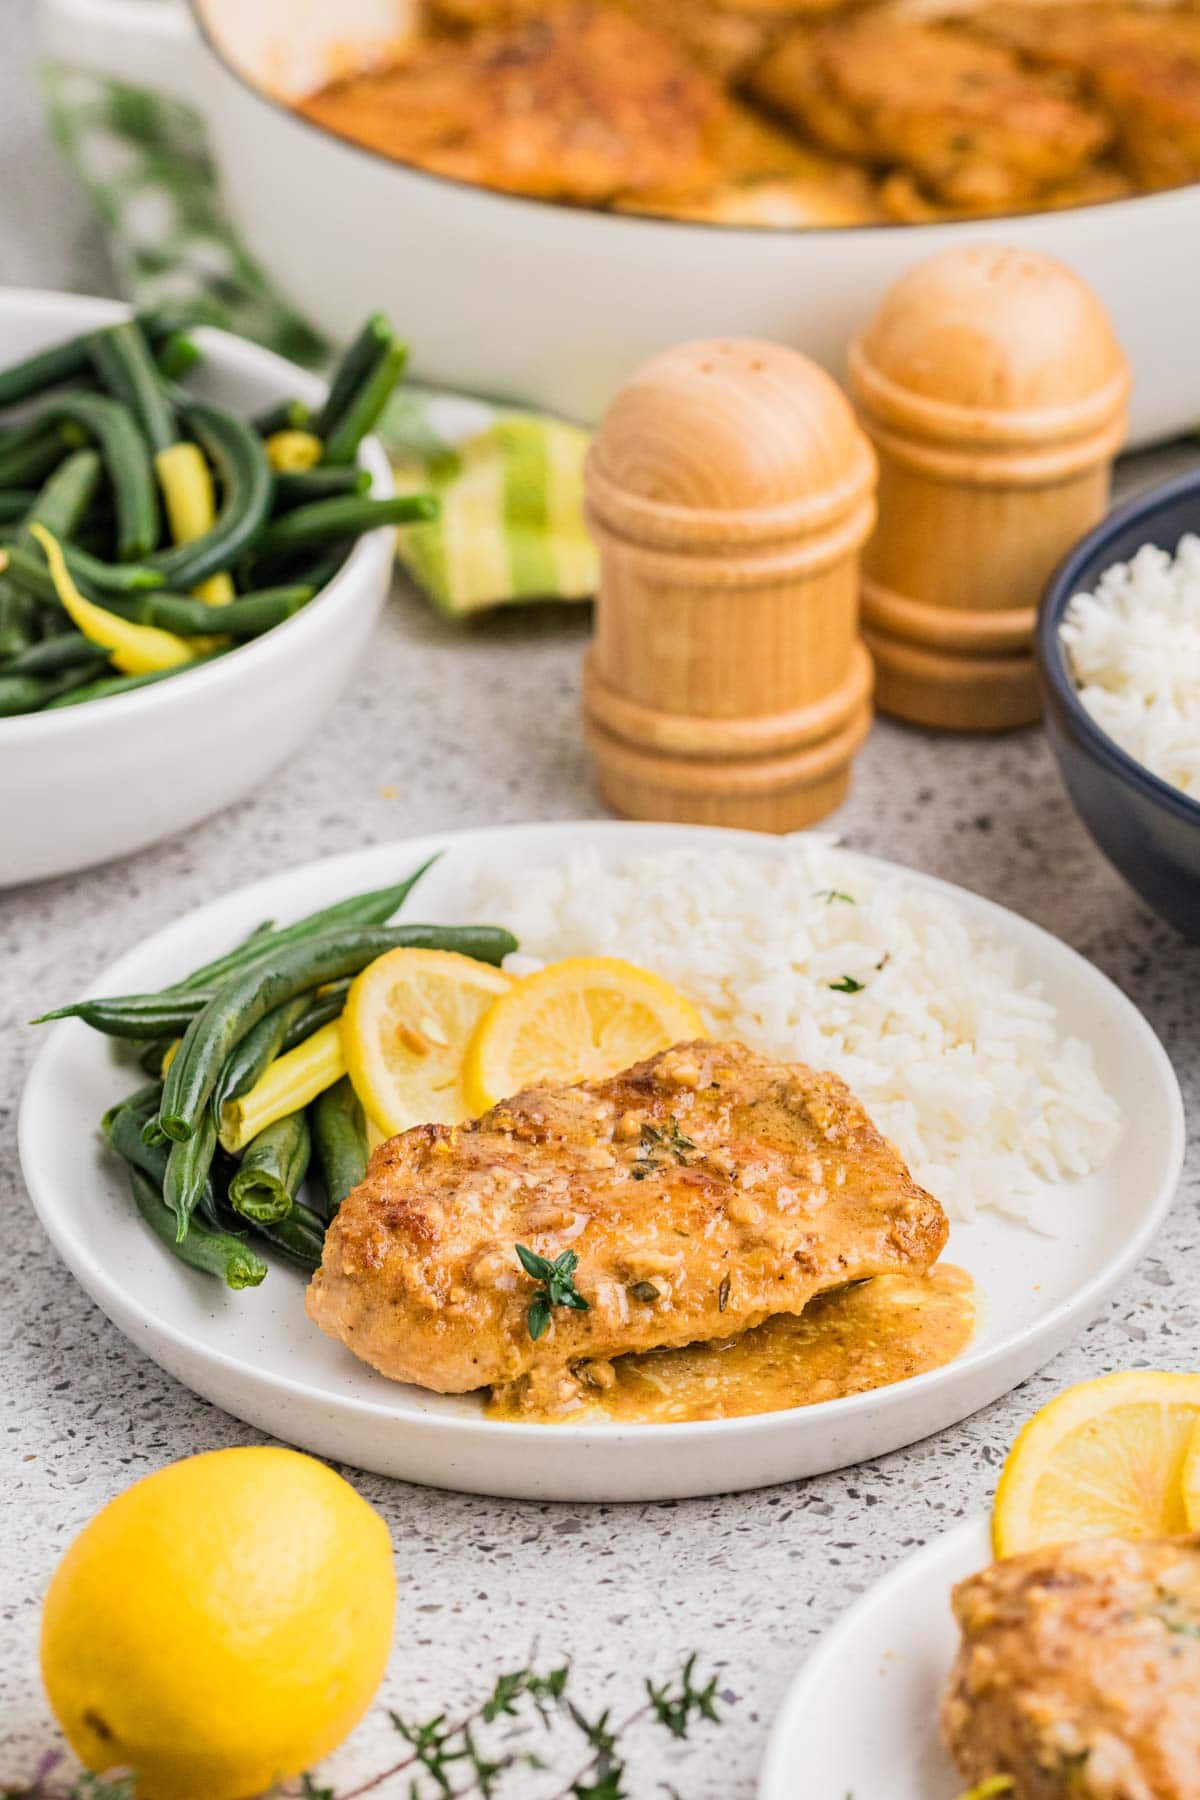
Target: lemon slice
x=407, y=1022
x=1105, y=1458
x=582, y=1019
x=1190, y=1480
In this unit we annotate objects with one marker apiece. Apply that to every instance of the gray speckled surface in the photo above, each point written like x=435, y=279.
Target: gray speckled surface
x=454, y=728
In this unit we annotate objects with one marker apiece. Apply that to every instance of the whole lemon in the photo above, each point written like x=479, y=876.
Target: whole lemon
x=221, y=1625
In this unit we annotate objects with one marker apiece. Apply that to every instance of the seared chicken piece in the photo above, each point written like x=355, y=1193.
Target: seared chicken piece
x=764, y=177
x=976, y=127
x=1143, y=66
x=580, y=104
x=702, y=1191
x=1079, y=1672
x=902, y=197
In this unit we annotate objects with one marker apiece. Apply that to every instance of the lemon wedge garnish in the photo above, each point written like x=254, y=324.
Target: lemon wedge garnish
x=407, y=1022
x=1106, y=1458
x=582, y=1019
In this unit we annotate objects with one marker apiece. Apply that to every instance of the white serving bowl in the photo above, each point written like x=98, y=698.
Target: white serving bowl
x=554, y=305
x=95, y=781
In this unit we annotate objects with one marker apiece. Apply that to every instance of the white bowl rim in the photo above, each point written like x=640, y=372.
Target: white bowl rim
x=34, y=728
x=615, y=219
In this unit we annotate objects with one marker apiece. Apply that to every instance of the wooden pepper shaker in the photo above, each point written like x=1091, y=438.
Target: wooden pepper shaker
x=729, y=490
x=995, y=394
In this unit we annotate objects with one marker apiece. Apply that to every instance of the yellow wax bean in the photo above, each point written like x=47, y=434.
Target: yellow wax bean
x=284, y=1086
x=133, y=649
x=187, y=490
x=291, y=452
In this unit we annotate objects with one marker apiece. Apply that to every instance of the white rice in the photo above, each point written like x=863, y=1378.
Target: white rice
x=1134, y=649
x=958, y=1061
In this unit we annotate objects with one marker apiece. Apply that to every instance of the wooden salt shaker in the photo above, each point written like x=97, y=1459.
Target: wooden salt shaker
x=995, y=394
x=729, y=490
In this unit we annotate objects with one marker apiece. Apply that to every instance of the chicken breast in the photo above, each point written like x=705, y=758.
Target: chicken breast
x=1079, y=1672
x=975, y=125
x=1142, y=66
x=702, y=1191
x=579, y=104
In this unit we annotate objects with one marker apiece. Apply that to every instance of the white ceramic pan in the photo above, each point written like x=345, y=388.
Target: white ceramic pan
x=547, y=304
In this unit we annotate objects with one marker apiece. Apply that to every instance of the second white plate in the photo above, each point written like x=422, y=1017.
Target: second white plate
x=860, y=1722
x=257, y=1355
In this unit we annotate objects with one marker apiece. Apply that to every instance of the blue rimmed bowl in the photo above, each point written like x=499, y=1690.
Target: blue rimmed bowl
x=1148, y=830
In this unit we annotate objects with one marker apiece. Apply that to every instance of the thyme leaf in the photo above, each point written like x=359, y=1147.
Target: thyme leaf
x=556, y=1287
x=661, y=1145
x=846, y=984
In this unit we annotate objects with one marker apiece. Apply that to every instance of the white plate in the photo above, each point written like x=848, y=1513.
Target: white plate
x=257, y=1355
x=860, y=1720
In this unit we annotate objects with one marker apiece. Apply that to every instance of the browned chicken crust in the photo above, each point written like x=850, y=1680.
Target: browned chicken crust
x=1143, y=66
x=1079, y=1672
x=580, y=104
x=703, y=1191
x=975, y=125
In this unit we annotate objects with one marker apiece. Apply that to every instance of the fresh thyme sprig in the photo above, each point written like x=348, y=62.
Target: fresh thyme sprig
x=556, y=1286
x=455, y=1761
x=661, y=1144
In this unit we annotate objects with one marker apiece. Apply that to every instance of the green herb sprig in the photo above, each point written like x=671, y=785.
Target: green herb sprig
x=444, y=1761
x=556, y=1286
x=661, y=1145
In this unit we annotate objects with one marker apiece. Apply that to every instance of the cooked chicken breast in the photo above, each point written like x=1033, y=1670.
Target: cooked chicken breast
x=975, y=125
x=580, y=104
x=1143, y=66
x=702, y=1192
x=1079, y=1672
x=764, y=177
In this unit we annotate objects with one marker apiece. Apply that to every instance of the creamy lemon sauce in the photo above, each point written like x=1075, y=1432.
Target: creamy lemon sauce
x=846, y=1342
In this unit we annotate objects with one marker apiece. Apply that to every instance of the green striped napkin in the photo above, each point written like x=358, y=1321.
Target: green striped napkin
x=510, y=483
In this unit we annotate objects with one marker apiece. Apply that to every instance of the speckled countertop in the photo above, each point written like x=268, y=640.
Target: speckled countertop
x=454, y=728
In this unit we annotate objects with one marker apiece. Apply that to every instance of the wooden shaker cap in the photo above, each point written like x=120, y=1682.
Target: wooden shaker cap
x=729, y=489
x=995, y=393
x=1003, y=355
x=728, y=442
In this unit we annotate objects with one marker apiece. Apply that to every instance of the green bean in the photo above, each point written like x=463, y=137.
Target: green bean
x=125, y=684
x=127, y=460
x=372, y=908
x=66, y=496
x=280, y=975
x=355, y=365
x=28, y=568
x=325, y=521
x=235, y=449
x=248, y=1059
x=296, y=487
x=285, y=415
x=189, y=1166
x=30, y=452
x=322, y=1009
x=299, y=1237
x=143, y=1102
x=242, y=619
x=136, y=1016
x=361, y=412
x=214, y=1252
x=69, y=360
x=30, y=693
x=121, y=358
x=339, y=1134
x=272, y=1167
x=17, y=623
x=53, y=655
x=177, y=1005
x=15, y=503
x=177, y=356
x=151, y=1057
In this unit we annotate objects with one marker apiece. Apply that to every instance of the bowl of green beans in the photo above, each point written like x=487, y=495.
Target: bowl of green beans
x=196, y=541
